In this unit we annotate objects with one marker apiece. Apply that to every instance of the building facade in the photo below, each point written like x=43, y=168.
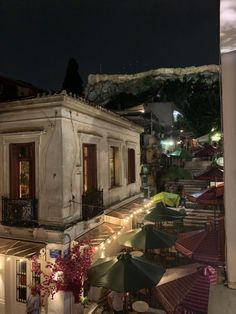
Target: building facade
x=63, y=161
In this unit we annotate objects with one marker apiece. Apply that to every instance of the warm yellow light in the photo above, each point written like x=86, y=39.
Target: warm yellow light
x=216, y=137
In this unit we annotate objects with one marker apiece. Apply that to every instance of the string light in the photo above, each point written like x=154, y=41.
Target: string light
x=114, y=236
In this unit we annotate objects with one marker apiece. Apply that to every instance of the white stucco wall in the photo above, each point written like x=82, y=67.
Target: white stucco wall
x=59, y=125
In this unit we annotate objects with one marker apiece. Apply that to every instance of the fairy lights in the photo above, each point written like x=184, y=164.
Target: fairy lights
x=128, y=217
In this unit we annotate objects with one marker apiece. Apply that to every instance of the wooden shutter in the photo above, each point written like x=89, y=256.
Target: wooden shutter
x=89, y=167
x=131, y=165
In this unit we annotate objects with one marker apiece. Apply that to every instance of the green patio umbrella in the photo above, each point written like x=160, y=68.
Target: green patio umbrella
x=147, y=237
x=125, y=273
x=163, y=213
x=181, y=153
x=166, y=198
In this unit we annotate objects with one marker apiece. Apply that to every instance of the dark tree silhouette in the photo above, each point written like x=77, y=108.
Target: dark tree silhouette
x=72, y=81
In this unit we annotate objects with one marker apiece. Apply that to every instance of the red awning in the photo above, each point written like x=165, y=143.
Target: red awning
x=207, y=151
x=210, y=196
x=205, y=246
x=185, y=289
x=212, y=174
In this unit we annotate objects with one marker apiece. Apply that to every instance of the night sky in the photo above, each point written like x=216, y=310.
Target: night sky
x=113, y=36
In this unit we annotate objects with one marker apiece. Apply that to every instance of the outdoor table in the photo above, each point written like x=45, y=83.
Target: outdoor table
x=140, y=306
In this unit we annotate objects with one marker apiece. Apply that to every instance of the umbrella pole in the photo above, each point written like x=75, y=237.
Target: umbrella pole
x=125, y=310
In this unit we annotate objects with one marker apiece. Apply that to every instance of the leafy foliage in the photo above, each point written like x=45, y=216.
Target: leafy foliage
x=198, y=99
x=67, y=273
x=173, y=173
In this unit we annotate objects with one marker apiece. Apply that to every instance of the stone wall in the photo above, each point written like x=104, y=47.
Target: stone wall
x=101, y=88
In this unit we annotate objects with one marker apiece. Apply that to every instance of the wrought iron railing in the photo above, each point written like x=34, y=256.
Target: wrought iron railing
x=92, y=204
x=19, y=212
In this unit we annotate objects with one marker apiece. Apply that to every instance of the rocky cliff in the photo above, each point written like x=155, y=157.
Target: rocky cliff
x=106, y=89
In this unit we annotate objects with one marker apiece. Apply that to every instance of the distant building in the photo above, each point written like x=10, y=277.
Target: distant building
x=164, y=111
x=11, y=89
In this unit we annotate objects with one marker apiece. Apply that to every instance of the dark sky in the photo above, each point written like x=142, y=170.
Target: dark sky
x=117, y=36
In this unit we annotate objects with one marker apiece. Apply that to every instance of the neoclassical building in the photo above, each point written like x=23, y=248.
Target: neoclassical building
x=64, y=163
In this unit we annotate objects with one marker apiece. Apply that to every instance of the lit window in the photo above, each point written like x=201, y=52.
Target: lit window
x=114, y=165
x=22, y=171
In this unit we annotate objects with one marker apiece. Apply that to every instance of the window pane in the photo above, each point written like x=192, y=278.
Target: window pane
x=22, y=170
x=23, y=152
x=21, y=282
x=24, y=176
x=114, y=165
x=131, y=165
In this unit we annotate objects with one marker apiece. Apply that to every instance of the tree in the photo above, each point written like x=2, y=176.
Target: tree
x=67, y=273
x=72, y=81
x=198, y=99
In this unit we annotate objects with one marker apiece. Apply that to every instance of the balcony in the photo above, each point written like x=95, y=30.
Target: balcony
x=92, y=204
x=19, y=212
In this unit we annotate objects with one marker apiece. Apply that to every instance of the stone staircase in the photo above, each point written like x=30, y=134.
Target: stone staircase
x=197, y=215
x=197, y=165
x=190, y=186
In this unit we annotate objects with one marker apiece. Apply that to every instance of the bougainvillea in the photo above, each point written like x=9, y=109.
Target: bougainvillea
x=67, y=273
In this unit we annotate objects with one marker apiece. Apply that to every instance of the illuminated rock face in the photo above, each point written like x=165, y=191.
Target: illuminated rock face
x=101, y=88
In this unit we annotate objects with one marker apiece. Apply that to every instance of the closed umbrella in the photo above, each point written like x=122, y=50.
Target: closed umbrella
x=147, y=237
x=125, y=273
x=185, y=289
x=163, y=213
x=210, y=196
x=170, y=199
x=207, y=151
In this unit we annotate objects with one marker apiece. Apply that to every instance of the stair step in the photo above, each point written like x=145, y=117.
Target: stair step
x=205, y=211
x=194, y=224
